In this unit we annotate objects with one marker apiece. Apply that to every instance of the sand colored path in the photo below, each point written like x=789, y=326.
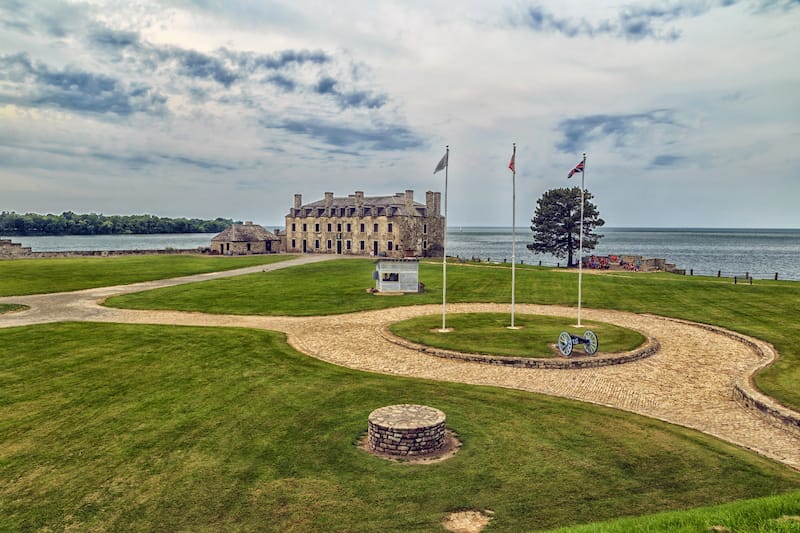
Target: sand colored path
x=688, y=382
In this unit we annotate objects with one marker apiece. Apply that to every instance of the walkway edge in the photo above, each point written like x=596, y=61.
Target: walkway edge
x=745, y=393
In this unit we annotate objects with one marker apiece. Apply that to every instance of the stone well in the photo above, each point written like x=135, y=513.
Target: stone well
x=406, y=430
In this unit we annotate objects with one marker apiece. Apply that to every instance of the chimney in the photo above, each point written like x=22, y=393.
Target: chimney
x=359, y=203
x=429, y=203
x=409, y=201
x=298, y=201
x=437, y=204
x=328, y=199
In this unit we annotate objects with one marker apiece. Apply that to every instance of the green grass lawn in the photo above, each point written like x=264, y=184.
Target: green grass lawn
x=131, y=427
x=35, y=276
x=775, y=514
x=487, y=333
x=9, y=308
x=767, y=309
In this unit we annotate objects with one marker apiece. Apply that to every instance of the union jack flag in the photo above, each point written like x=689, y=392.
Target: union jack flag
x=578, y=168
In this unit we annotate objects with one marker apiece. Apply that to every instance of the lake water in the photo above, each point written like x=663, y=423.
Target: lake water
x=760, y=252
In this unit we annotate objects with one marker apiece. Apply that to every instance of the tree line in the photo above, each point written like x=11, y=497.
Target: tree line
x=69, y=223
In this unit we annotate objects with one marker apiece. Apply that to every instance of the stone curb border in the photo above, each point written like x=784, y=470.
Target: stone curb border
x=650, y=347
x=745, y=392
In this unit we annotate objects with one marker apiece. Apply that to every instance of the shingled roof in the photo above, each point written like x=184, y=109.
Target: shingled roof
x=244, y=233
x=370, y=205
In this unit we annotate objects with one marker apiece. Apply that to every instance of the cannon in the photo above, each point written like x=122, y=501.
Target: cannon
x=566, y=341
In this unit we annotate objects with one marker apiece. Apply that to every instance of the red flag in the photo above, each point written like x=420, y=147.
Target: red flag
x=511, y=164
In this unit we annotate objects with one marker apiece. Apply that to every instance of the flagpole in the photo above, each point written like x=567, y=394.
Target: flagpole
x=513, y=228
x=444, y=243
x=580, y=245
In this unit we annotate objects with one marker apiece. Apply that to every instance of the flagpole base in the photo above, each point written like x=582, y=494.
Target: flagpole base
x=444, y=330
x=513, y=327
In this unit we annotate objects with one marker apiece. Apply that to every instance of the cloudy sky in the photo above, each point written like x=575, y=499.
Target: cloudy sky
x=688, y=110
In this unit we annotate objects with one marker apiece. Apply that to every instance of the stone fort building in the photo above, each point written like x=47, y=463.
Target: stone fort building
x=384, y=226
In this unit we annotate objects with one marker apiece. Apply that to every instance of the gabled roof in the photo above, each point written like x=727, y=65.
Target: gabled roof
x=244, y=233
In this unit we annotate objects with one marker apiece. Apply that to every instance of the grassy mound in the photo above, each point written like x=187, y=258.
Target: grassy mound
x=487, y=333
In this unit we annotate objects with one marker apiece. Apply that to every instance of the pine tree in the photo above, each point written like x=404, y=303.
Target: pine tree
x=556, y=223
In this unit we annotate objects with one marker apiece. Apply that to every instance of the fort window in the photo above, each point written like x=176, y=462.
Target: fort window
x=389, y=246
x=349, y=245
x=294, y=226
x=375, y=228
x=329, y=227
x=330, y=244
x=362, y=228
x=362, y=244
x=339, y=227
x=316, y=244
x=294, y=245
x=316, y=229
x=248, y=246
x=390, y=228
x=425, y=229
x=349, y=227
x=305, y=227
x=424, y=245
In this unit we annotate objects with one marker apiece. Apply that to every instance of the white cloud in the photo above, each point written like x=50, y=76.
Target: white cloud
x=684, y=104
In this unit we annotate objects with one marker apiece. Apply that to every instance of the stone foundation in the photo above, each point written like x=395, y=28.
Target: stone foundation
x=406, y=430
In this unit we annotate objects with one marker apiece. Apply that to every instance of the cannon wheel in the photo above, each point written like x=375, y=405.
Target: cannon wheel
x=565, y=343
x=591, y=346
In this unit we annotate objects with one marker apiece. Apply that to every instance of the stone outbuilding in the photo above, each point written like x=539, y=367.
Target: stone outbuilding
x=245, y=239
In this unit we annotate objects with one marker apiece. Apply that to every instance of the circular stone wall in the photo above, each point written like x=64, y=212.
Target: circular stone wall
x=406, y=430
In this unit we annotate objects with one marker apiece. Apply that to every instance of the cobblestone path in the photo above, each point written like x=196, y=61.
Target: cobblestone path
x=688, y=382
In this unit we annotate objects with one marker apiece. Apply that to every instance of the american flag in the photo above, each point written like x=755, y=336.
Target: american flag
x=578, y=168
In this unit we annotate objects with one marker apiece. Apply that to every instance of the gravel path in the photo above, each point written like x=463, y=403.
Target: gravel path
x=688, y=382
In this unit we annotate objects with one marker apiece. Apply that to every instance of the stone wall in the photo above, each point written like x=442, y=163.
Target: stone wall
x=10, y=249
x=746, y=394
x=98, y=253
x=766, y=408
x=394, y=235
x=242, y=248
x=406, y=430
x=650, y=347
